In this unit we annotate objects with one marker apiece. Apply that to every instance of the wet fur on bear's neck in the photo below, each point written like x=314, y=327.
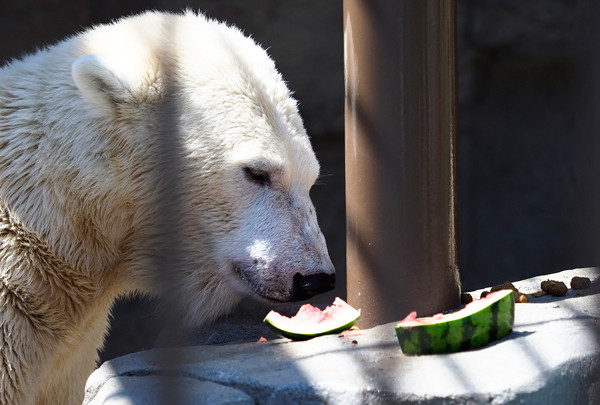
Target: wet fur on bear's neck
x=47, y=314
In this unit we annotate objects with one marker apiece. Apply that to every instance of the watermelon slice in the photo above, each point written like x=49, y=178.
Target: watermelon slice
x=310, y=321
x=477, y=324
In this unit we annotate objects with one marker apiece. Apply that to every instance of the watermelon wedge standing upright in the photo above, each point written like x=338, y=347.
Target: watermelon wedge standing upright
x=479, y=323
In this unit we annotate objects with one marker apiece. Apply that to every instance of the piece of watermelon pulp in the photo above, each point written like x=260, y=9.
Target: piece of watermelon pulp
x=310, y=321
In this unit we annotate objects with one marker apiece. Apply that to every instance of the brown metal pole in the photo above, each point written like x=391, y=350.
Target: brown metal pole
x=400, y=157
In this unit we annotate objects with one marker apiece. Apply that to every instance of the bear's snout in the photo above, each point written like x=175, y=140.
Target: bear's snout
x=275, y=284
x=305, y=287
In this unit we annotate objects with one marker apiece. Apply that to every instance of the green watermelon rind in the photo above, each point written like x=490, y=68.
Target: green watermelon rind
x=305, y=332
x=470, y=331
x=309, y=335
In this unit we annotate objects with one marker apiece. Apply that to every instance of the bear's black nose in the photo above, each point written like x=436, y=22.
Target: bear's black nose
x=312, y=284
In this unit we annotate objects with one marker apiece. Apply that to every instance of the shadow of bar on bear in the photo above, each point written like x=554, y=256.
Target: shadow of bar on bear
x=167, y=230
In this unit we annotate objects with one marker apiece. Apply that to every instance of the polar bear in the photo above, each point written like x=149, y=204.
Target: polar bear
x=155, y=133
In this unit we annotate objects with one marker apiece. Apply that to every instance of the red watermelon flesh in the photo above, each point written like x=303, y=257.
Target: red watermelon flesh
x=311, y=321
x=472, y=307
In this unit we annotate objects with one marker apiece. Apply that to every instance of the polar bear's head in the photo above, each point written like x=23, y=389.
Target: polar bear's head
x=244, y=160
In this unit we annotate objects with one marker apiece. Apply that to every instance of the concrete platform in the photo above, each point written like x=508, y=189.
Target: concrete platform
x=552, y=356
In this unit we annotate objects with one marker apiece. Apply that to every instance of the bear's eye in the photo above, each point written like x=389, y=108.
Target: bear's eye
x=257, y=176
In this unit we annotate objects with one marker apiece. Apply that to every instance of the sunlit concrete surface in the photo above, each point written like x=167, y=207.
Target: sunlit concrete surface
x=552, y=356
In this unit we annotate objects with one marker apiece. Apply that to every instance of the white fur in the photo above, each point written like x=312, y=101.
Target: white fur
x=84, y=126
x=105, y=80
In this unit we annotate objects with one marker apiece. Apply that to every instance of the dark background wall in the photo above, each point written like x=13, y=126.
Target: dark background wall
x=528, y=138
x=527, y=98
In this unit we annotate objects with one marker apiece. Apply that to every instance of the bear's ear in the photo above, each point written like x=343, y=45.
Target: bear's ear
x=105, y=81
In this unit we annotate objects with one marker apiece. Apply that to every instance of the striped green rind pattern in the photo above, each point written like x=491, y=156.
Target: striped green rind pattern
x=470, y=331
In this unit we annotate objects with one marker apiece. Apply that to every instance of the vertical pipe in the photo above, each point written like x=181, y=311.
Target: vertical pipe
x=400, y=157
